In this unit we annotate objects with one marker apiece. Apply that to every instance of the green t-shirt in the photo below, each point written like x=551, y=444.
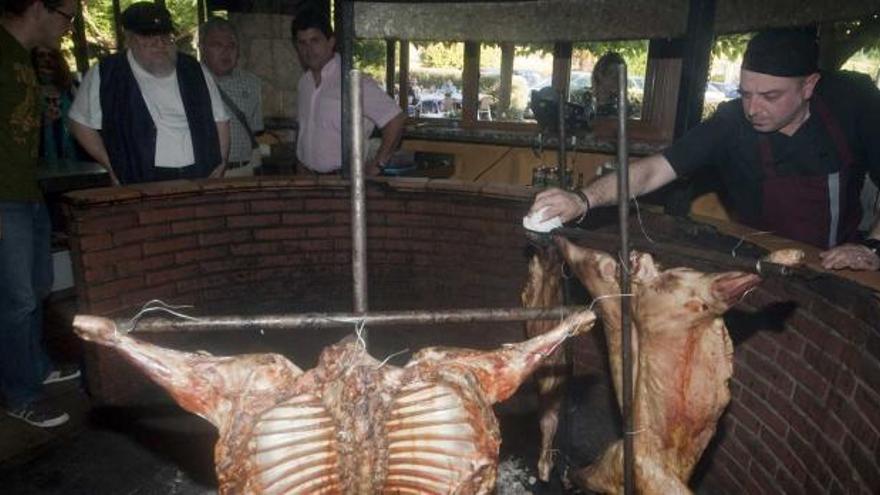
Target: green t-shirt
x=19, y=122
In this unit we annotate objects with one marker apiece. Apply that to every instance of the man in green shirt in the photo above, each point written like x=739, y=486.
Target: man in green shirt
x=25, y=263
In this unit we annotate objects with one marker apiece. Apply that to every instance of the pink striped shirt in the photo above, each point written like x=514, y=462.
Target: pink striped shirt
x=319, y=144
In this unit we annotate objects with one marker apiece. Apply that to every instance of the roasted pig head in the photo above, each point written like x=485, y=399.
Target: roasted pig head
x=352, y=425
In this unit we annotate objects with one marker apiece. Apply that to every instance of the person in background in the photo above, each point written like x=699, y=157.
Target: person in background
x=792, y=153
x=164, y=118
x=240, y=90
x=25, y=258
x=57, y=86
x=319, y=100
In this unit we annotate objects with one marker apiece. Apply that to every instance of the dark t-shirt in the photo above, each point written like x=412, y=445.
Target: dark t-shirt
x=19, y=122
x=729, y=144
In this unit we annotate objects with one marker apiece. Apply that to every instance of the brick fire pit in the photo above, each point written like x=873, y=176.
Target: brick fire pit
x=805, y=412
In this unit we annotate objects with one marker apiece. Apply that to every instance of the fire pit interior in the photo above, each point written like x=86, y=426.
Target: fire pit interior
x=804, y=410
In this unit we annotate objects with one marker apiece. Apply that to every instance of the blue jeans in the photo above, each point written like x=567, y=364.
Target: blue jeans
x=25, y=280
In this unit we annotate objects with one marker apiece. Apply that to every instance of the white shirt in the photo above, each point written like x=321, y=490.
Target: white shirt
x=319, y=144
x=174, y=148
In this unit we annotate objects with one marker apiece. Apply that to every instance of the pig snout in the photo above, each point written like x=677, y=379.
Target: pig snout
x=729, y=288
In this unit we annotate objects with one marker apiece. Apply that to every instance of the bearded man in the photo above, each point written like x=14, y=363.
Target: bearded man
x=151, y=113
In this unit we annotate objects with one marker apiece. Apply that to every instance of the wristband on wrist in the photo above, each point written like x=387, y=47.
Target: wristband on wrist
x=586, y=202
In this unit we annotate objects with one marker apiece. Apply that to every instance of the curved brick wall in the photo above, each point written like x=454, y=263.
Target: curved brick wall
x=805, y=415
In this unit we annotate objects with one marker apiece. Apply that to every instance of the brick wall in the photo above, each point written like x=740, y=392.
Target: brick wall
x=805, y=412
x=284, y=245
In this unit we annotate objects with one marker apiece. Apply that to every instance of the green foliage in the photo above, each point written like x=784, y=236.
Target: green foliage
x=730, y=46
x=635, y=52
x=369, y=56
x=442, y=54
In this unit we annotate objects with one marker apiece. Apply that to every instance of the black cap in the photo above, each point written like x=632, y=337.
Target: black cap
x=791, y=52
x=147, y=18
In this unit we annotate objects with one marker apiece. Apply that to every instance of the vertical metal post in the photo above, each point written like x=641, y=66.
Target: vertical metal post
x=561, y=155
x=625, y=283
x=345, y=40
x=358, y=210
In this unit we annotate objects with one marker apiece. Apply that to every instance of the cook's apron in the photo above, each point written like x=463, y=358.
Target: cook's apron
x=816, y=210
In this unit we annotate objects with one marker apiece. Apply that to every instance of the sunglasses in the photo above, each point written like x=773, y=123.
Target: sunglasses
x=65, y=15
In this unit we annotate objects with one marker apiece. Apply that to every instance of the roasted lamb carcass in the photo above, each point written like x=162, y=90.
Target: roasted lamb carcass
x=683, y=359
x=598, y=272
x=351, y=425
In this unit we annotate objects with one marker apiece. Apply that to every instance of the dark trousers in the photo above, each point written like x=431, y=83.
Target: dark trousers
x=167, y=173
x=25, y=280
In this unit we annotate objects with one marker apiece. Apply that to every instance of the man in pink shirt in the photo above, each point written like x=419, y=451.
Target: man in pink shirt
x=319, y=100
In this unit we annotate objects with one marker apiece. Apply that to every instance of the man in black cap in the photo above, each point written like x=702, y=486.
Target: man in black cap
x=792, y=153
x=151, y=113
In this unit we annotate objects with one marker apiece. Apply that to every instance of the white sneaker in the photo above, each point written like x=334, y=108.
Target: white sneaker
x=62, y=375
x=40, y=415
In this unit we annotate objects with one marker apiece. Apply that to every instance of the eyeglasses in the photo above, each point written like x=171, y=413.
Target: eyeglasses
x=65, y=15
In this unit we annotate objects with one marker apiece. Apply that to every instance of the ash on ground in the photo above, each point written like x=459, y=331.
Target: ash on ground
x=514, y=478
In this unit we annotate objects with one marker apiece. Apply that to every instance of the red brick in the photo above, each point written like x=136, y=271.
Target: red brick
x=137, y=266
x=109, y=257
x=333, y=204
x=275, y=206
x=200, y=225
x=228, y=264
x=164, y=215
x=808, y=454
x=766, y=414
x=171, y=275
x=108, y=223
x=220, y=209
x=279, y=233
x=255, y=248
x=94, y=242
x=744, y=418
x=331, y=232
x=166, y=293
x=803, y=374
x=868, y=403
x=174, y=244
x=831, y=428
x=263, y=220
x=111, y=289
x=767, y=369
x=864, y=463
x=99, y=273
x=200, y=254
x=307, y=218
x=139, y=234
x=227, y=237
x=204, y=282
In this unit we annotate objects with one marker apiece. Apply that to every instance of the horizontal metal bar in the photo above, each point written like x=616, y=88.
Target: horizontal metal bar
x=336, y=320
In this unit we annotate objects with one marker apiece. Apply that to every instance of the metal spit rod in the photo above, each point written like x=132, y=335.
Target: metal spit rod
x=625, y=282
x=338, y=320
x=358, y=204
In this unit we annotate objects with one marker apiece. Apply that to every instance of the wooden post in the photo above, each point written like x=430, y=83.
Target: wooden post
x=80, y=44
x=561, y=67
x=389, y=68
x=403, y=75
x=470, y=83
x=507, y=53
x=117, y=26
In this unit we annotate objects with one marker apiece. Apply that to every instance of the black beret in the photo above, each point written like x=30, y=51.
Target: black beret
x=791, y=52
x=147, y=18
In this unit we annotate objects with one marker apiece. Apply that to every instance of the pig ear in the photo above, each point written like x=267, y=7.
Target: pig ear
x=644, y=267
